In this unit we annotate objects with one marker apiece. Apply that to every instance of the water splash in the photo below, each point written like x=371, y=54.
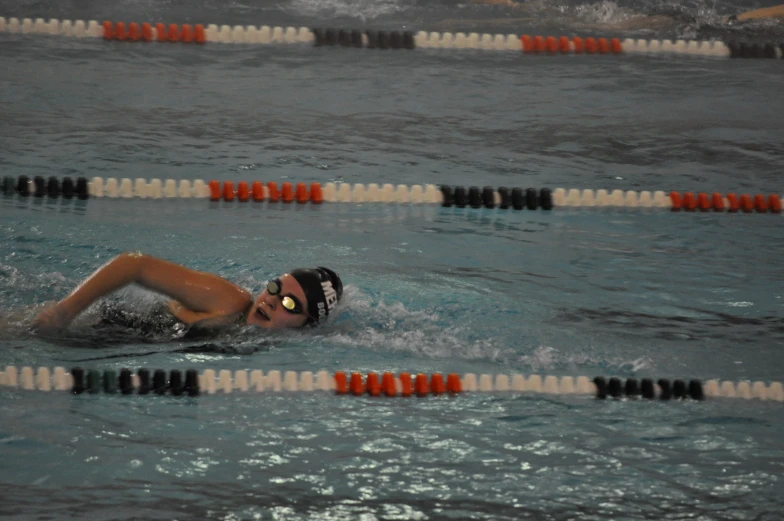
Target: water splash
x=363, y=10
x=549, y=359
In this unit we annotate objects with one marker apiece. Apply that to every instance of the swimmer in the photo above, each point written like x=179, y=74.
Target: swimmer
x=296, y=299
x=635, y=21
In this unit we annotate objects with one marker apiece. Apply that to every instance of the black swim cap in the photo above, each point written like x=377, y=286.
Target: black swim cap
x=323, y=289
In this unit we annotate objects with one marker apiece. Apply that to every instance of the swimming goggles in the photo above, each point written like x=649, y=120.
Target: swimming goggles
x=290, y=304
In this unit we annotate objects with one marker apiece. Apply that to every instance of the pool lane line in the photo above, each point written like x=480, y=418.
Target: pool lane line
x=387, y=384
x=372, y=39
x=444, y=195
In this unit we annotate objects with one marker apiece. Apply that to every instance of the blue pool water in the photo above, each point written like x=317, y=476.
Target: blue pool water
x=570, y=292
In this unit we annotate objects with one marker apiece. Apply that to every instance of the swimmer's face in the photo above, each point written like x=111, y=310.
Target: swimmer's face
x=268, y=311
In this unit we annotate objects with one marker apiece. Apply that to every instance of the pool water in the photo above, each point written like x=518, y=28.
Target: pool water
x=615, y=292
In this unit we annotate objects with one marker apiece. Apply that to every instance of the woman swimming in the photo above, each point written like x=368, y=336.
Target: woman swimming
x=296, y=299
x=660, y=17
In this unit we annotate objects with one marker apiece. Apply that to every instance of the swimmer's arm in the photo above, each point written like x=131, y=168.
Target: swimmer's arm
x=198, y=291
x=766, y=12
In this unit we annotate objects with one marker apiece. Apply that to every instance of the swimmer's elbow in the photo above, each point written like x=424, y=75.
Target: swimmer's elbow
x=132, y=255
x=132, y=262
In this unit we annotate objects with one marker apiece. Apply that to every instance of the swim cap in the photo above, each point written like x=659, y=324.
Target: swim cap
x=323, y=288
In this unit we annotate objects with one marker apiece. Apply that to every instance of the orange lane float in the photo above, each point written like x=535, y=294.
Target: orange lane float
x=228, y=191
x=406, y=389
x=257, y=190
x=302, y=193
x=732, y=200
x=215, y=192
x=420, y=385
x=528, y=45
x=243, y=194
x=718, y=202
x=173, y=34
x=286, y=193
x=703, y=203
x=355, y=384
x=562, y=44
x=437, y=385
x=453, y=384
x=675, y=199
x=185, y=33
x=388, y=385
x=199, y=36
x=272, y=188
x=688, y=201
x=746, y=203
x=775, y=203
x=373, y=385
x=316, y=195
x=341, y=385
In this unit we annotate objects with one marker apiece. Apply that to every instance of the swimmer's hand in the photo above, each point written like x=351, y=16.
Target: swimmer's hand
x=52, y=318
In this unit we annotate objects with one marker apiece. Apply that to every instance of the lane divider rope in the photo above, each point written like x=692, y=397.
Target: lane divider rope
x=193, y=383
x=444, y=195
x=331, y=37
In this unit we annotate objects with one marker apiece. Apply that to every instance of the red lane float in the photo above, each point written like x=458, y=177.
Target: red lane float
x=562, y=44
x=243, y=194
x=301, y=193
x=228, y=191
x=775, y=203
x=257, y=190
x=745, y=203
x=286, y=193
x=272, y=188
x=420, y=385
x=215, y=193
x=405, y=384
x=185, y=33
x=718, y=202
x=373, y=385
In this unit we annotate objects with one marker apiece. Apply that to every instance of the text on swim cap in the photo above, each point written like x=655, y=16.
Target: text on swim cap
x=331, y=297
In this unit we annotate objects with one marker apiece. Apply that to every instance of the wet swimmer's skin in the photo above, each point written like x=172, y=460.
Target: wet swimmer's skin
x=775, y=13
x=296, y=299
